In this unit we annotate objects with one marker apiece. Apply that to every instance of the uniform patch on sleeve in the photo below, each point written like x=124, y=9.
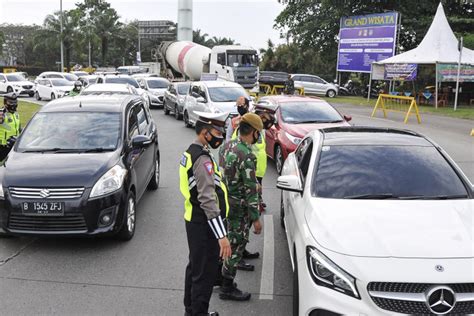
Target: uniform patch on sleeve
x=209, y=167
x=184, y=160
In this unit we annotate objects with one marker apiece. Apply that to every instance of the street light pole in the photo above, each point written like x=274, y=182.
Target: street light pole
x=139, y=46
x=61, y=23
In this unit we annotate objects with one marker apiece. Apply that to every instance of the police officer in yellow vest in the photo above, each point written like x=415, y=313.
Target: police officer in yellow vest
x=267, y=114
x=10, y=126
x=206, y=207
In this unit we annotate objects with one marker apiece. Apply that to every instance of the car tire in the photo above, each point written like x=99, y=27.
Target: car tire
x=155, y=180
x=331, y=93
x=177, y=116
x=9, y=89
x=186, y=119
x=37, y=96
x=296, y=290
x=53, y=96
x=278, y=159
x=282, y=212
x=127, y=230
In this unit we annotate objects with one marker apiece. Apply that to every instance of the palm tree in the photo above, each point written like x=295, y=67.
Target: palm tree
x=199, y=38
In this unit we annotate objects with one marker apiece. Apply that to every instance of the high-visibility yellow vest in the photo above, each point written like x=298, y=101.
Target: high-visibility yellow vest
x=260, y=152
x=192, y=207
x=10, y=127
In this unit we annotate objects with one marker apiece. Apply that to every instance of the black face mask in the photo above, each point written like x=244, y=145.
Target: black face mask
x=255, y=139
x=267, y=124
x=242, y=110
x=215, y=141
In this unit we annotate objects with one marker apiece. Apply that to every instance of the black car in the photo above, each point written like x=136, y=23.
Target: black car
x=79, y=168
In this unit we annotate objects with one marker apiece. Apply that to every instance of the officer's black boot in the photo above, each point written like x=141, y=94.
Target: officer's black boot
x=242, y=265
x=229, y=291
x=250, y=255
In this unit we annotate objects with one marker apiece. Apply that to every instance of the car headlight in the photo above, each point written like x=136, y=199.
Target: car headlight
x=326, y=273
x=293, y=139
x=180, y=100
x=110, y=182
x=2, y=195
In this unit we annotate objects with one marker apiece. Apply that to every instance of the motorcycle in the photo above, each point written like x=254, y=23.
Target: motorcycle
x=348, y=88
x=375, y=90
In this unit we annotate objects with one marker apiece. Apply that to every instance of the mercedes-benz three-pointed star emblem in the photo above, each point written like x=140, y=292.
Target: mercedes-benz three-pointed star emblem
x=440, y=300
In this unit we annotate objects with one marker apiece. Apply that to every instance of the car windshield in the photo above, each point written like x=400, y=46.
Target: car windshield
x=92, y=80
x=369, y=171
x=61, y=82
x=183, y=89
x=301, y=112
x=226, y=94
x=83, y=131
x=14, y=78
x=70, y=77
x=122, y=80
x=158, y=84
x=241, y=60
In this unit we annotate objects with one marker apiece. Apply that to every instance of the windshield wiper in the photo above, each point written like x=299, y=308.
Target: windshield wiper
x=380, y=196
x=434, y=197
x=97, y=150
x=41, y=150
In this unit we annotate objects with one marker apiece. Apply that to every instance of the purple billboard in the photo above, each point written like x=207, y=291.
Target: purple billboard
x=366, y=39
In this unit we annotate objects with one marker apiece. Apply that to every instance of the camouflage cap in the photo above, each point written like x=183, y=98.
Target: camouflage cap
x=253, y=120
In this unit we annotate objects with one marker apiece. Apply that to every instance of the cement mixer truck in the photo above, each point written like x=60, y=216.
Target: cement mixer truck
x=229, y=62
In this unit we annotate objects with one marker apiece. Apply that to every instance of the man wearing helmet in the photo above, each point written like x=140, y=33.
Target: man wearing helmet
x=10, y=126
x=77, y=89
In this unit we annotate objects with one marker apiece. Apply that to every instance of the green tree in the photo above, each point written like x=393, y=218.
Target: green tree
x=2, y=41
x=200, y=38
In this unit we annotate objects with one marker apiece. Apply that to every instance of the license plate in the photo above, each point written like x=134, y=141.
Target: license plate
x=43, y=208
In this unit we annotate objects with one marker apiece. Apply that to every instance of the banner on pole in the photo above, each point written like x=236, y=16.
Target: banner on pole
x=400, y=72
x=366, y=39
x=449, y=72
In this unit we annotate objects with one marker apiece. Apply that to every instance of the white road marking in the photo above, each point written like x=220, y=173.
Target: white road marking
x=268, y=262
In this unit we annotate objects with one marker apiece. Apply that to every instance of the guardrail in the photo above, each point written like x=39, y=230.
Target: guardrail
x=397, y=103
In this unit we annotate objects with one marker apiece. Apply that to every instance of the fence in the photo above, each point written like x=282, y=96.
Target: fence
x=397, y=103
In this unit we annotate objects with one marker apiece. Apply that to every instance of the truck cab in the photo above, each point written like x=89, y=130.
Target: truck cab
x=235, y=63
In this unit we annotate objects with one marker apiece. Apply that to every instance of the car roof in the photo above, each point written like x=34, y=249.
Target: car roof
x=118, y=76
x=108, y=87
x=154, y=78
x=305, y=75
x=290, y=98
x=362, y=135
x=90, y=103
x=219, y=83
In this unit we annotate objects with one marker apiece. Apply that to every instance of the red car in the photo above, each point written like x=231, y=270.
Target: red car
x=296, y=116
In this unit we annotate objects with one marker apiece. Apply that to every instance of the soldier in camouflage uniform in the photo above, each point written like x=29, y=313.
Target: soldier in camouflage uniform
x=240, y=179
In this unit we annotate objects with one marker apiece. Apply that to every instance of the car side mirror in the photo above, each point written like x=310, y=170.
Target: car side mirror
x=3, y=80
x=201, y=100
x=140, y=141
x=49, y=85
x=142, y=85
x=289, y=183
x=347, y=118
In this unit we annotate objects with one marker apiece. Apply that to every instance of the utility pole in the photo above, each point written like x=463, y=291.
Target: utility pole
x=61, y=23
x=460, y=45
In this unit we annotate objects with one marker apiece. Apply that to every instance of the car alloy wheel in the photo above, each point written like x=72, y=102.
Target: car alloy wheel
x=278, y=159
x=155, y=180
x=331, y=93
x=9, y=90
x=37, y=96
x=53, y=96
x=129, y=223
x=131, y=215
x=186, y=119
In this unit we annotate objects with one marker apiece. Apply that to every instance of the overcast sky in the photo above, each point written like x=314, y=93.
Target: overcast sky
x=249, y=22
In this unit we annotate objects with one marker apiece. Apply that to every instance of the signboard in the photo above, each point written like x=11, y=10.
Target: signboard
x=400, y=71
x=157, y=30
x=366, y=39
x=378, y=72
x=449, y=72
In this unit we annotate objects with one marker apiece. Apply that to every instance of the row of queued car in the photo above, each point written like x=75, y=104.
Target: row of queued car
x=378, y=220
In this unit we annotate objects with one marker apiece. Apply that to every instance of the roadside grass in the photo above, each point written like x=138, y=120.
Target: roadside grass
x=463, y=112
x=25, y=109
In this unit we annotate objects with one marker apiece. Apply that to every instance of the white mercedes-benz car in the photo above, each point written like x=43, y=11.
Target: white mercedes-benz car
x=378, y=222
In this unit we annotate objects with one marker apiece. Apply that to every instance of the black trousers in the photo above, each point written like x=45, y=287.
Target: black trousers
x=4, y=150
x=202, y=268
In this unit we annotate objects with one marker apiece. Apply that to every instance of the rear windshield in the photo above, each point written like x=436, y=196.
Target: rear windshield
x=302, y=112
x=388, y=171
x=122, y=80
x=183, y=89
x=61, y=82
x=158, y=84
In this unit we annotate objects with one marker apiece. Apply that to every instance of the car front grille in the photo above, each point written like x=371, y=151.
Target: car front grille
x=27, y=87
x=411, y=298
x=66, y=223
x=46, y=193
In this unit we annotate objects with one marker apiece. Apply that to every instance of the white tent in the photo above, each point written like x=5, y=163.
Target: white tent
x=439, y=45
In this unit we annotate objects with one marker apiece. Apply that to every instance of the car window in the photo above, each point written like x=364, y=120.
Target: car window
x=123, y=80
x=301, y=112
x=221, y=58
x=14, y=78
x=61, y=82
x=194, y=90
x=83, y=131
x=226, y=94
x=306, y=158
x=317, y=80
x=142, y=120
x=133, y=123
x=403, y=171
x=183, y=89
x=54, y=76
x=296, y=78
x=157, y=84
x=2, y=77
